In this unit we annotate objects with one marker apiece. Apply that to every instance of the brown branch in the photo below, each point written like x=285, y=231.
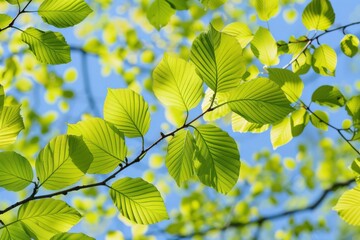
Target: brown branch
x=21, y=11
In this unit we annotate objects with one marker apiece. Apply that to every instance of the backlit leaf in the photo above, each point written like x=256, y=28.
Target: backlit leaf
x=5, y=20
x=64, y=13
x=179, y=5
x=105, y=142
x=303, y=63
x=289, y=82
x=353, y=109
x=264, y=47
x=11, y=124
x=266, y=9
x=318, y=15
x=138, y=200
x=239, y=124
x=71, y=236
x=355, y=166
x=180, y=156
x=260, y=101
x=348, y=206
x=62, y=162
x=46, y=217
x=218, y=158
x=48, y=47
x=324, y=60
x=13, y=231
x=128, y=111
x=280, y=133
x=328, y=96
x=2, y=97
x=176, y=83
x=212, y=4
x=159, y=13
x=240, y=31
x=320, y=119
x=219, y=112
x=15, y=171
x=350, y=45
x=299, y=119
x=218, y=60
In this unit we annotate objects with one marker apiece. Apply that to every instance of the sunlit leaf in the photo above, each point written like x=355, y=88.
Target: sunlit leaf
x=266, y=9
x=159, y=13
x=320, y=119
x=2, y=97
x=318, y=15
x=218, y=158
x=62, y=162
x=11, y=124
x=15, y=171
x=105, y=142
x=219, y=112
x=128, y=111
x=355, y=166
x=13, y=231
x=350, y=45
x=328, y=96
x=138, y=200
x=48, y=47
x=240, y=31
x=264, y=47
x=303, y=63
x=289, y=82
x=176, y=83
x=15, y=2
x=46, y=217
x=218, y=60
x=324, y=60
x=5, y=20
x=180, y=156
x=212, y=4
x=239, y=124
x=353, y=109
x=71, y=236
x=65, y=13
x=281, y=133
x=348, y=206
x=179, y=5
x=299, y=119
x=260, y=101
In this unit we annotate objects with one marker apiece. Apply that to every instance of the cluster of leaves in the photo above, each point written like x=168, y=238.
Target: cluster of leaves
x=196, y=150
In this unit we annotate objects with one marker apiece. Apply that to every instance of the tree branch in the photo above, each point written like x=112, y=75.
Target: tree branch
x=11, y=24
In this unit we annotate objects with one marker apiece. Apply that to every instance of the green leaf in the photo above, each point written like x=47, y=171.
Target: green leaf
x=281, y=133
x=13, y=231
x=266, y=9
x=303, y=63
x=324, y=60
x=318, y=15
x=180, y=156
x=5, y=20
x=219, y=112
x=159, y=13
x=264, y=47
x=355, y=166
x=240, y=31
x=46, y=217
x=138, y=200
x=328, y=96
x=350, y=45
x=71, y=236
x=260, y=101
x=62, y=162
x=289, y=82
x=11, y=124
x=128, y=111
x=65, y=13
x=218, y=158
x=353, y=109
x=105, y=142
x=348, y=206
x=239, y=124
x=15, y=171
x=176, y=83
x=2, y=98
x=179, y=5
x=320, y=119
x=48, y=47
x=299, y=120
x=16, y=2
x=212, y=4
x=218, y=59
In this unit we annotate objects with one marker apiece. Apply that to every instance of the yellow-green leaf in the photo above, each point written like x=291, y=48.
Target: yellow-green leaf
x=303, y=63
x=320, y=119
x=219, y=112
x=15, y=171
x=5, y=20
x=324, y=60
x=353, y=109
x=239, y=124
x=328, y=96
x=71, y=236
x=176, y=83
x=299, y=119
x=350, y=45
x=281, y=133
x=11, y=124
x=266, y=9
x=13, y=231
x=64, y=13
x=318, y=15
x=128, y=111
x=212, y=4
x=105, y=142
x=62, y=162
x=138, y=200
x=180, y=156
x=159, y=13
x=348, y=206
x=264, y=47
x=48, y=47
x=2, y=97
x=355, y=166
x=240, y=31
x=218, y=158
